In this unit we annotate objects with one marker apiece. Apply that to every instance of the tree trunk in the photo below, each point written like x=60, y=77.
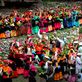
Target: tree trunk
x=2, y=3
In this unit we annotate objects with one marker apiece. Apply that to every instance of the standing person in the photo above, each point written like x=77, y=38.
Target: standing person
x=32, y=73
x=29, y=31
x=58, y=74
x=78, y=63
x=7, y=71
x=65, y=21
x=49, y=71
x=75, y=18
x=57, y=23
x=35, y=24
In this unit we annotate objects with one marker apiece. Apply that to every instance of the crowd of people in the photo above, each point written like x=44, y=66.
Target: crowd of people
x=50, y=59
x=47, y=20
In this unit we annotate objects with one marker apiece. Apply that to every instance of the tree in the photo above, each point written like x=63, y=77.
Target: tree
x=2, y=3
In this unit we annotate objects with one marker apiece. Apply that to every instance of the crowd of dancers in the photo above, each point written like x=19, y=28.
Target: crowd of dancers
x=54, y=58
x=45, y=20
x=50, y=59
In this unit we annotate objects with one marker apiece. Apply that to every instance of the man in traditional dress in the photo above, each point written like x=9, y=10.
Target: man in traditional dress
x=78, y=63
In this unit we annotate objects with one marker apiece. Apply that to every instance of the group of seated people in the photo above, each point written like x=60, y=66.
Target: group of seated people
x=45, y=20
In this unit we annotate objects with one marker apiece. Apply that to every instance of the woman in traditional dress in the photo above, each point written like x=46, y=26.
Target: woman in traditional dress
x=58, y=73
x=32, y=73
x=7, y=71
x=57, y=24
x=75, y=18
x=50, y=28
x=29, y=28
x=65, y=21
x=35, y=22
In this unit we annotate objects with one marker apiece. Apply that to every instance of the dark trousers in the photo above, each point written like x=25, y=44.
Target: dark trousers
x=7, y=80
x=32, y=79
x=1, y=79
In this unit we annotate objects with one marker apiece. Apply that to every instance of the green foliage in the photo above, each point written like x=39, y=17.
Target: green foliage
x=80, y=30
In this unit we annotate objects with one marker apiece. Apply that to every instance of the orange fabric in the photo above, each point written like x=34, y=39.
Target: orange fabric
x=2, y=35
x=13, y=33
x=38, y=47
x=58, y=76
x=58, y=60
x=1, y=65
x=54, y=49
x=63, y=58
x=6, y=68
x=80, y=21
x=69, y=54
x=61, y=76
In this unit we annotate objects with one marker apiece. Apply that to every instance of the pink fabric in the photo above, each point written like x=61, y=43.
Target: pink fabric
x=5, y=77
x=29, y=31
x=20, y=70
x=72, y=79
x=45, y=21
x=26, y=73
x=17, y=18
x=44, y=30
x=33, y=68
x=57, y=25
x=0, y=58
x=23, y=19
